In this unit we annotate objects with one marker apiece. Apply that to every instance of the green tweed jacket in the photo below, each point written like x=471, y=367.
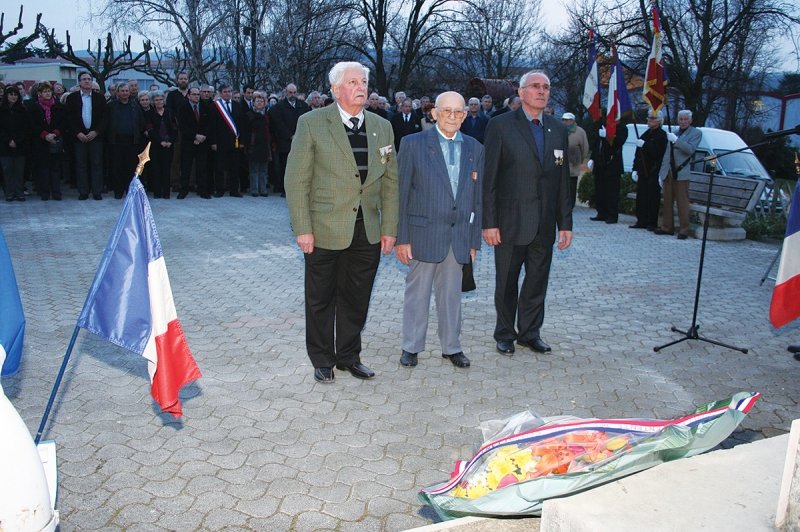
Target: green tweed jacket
x=323, y=186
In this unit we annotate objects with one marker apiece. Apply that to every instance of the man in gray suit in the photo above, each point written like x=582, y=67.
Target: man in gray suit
x=684, y=144
x=440, y=176
x=525, y=197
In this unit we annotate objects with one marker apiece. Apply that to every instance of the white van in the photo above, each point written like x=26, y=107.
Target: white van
x=714, y=141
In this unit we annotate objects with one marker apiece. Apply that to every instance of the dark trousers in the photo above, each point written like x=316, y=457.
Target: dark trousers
x=277, y=185
x=14, y=175
x=124, y=155
x=160, y=163
x=527, y=304
x=48, y=167
x=648, y=198
x=573, y=190
x=606, y=195
x=89, y=158
x=197, y=154
x=338, y=287
x=227, y=160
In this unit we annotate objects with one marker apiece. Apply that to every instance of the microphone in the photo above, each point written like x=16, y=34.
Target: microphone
x=776, y=134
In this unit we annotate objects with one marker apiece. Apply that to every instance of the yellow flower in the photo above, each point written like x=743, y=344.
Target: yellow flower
x=507, y=450
x=473, y=492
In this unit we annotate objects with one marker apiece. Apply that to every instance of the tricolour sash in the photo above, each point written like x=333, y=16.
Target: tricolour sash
x=223, y=110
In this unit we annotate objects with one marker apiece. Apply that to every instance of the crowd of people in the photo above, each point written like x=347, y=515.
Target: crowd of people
x=52, y=137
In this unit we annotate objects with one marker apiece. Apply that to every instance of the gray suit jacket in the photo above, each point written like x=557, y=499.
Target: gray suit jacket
x=683, y=150
x=431, y=219
x=523, y=195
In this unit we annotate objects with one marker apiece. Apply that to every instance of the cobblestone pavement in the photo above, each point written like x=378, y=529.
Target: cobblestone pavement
x=262, y=446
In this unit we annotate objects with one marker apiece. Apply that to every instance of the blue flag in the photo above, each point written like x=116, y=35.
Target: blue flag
x=12, y=319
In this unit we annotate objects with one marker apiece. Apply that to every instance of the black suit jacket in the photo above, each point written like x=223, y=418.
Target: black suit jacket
x=608, y=157
x=647, y=160
x=75, y=108
x=221, y=133
x=402, y=128
x=283, y=121
x=378, y=111
x=188, y=124
x=175, y=100
x=477, y=131
x=523, y=195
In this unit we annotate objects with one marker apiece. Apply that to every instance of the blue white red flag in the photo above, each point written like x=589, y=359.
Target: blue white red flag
x=619, y=102
x=130, y=302
x=12, y=319
x=785, y=305
x=591, y=89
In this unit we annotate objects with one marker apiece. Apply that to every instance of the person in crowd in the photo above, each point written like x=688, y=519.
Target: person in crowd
x=606, y=166
x=144, y=101
x=283, y=119
x=194, y=124
x=383, y=103
x=259, y=147
x=207, y=99
x=525, y=201
x=154, y=87
x=374, y=106
x=440, y=176
x=49, y=124
x=175, y=99
x=273, y=100
x=236, y=96
x=178, y=97
x=15, y=127
x=126, y=126
x=247, y=98
x=315, y=100
x=227, y=121
x=22, y=92
x=58, y=90
x=405, y=122
x=512, y=105
x=418, y=108
x=650, y=148
x=88, y=117
x=475, y=123
x=133, y=85
x=341, y=222
x=399, y=98
x=676, y=190
x=578, y=150
x=112, y=92
x=549, y=111
x=428, y=121
x=487, y=106
x=162, y=130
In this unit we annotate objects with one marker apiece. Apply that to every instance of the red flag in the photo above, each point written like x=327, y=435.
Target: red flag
x=654, y=92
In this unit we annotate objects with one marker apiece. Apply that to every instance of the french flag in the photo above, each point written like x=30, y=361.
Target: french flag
x=130, y=302
x=785, y=305
x=619, y=101
x=12, y=319
x=591, y=89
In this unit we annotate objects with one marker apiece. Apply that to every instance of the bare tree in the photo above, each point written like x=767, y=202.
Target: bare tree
x=104, y=61
x=13, y=49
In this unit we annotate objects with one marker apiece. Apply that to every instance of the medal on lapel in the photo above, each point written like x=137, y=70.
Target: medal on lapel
x=385, y=152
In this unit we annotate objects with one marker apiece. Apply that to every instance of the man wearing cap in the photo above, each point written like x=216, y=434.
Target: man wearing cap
x=475, y=122
x=578, y=149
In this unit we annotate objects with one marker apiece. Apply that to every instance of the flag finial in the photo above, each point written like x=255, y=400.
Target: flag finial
x=143, y=158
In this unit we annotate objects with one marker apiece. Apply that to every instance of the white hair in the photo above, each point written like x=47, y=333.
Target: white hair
x=658, y=116
x=336, y=75
x=687, y=113
x=523, y=81
x=474, y=100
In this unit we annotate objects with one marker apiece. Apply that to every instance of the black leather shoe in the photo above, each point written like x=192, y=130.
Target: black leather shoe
x=83, y=197
x=660, y=231
x=235, y=194
x=358, y=370
x=324, y=375
x=598, y=218
x=536, y=344
x=459, y=360
x=505, y=347
x=681, y=236
x=98, y=197
x=408, y=359
x=612, y=221
x=182, y=195
x=116, y=196
x=219, y=194
x=264, y=195
x=794, y=348
x=637, y=226
x=652, y=228
x=205, y=196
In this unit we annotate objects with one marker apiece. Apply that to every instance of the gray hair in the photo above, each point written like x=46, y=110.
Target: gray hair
x=206, y=87
x=123, y=84
x=523, y=81
x=336, y=75
x=687, y=113
x=473, y=100
x=153, y=94
x=658, y=116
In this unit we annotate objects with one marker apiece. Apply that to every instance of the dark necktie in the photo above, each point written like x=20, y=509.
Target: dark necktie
x=406, y=118
x=536, y=121
x=452, y=145
x=354, y=120
x=538, y=136
x=196, y=114
x=228, y=105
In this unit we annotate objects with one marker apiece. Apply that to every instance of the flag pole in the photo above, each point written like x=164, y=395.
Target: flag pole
x=143, y=158
x=57, y=384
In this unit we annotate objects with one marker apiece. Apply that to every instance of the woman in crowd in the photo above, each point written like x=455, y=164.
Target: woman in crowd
x=427, y=119
x=259, y=148
x=144, y=101
x=162, y=130
x=14, y=132
x=48, y=126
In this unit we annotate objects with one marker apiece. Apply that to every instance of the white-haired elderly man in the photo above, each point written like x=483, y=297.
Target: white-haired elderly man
x=676, y=189
x=475, y=122
x=650, y=148
x=341, y=187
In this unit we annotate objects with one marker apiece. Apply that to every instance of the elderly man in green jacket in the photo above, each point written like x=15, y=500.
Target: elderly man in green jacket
x=341, y=187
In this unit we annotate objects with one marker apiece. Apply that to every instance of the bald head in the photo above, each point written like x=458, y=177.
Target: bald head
x=449, y=112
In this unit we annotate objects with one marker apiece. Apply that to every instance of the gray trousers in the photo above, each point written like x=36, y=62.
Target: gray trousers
x=445, y=278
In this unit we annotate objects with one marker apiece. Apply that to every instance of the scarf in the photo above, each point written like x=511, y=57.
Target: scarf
x=47, y=106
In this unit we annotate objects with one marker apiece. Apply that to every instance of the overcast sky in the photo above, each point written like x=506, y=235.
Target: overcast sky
x=70, y=15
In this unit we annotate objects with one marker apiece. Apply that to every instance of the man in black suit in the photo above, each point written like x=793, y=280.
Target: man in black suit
x=87, y=115
x=513, y=105
x=125, y=128
x=475, y=123
x=227, y=120
x=405, y=122
x=283, y=118
x=175, y=100
x=650, y=149
x=194, y=126
x=525, y=198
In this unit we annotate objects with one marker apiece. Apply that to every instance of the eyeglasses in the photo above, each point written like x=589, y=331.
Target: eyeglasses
x=536, y=86
x=447, y=112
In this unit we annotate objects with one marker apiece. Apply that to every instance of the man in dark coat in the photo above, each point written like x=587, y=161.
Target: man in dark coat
x=87, y=115
x=606, y=165
x=125, y=127
x=650, y=148
x=227, y=123
x=283, y=118
x=194, y=124
x=405, y=122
